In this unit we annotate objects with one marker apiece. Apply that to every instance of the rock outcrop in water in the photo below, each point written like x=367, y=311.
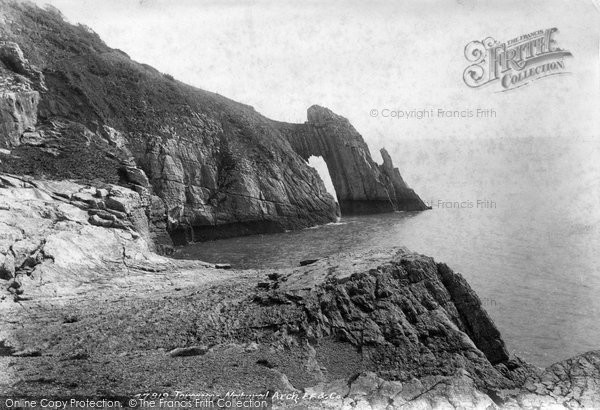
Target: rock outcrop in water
x=100, y=316
x=361, y=185
x=73, y=108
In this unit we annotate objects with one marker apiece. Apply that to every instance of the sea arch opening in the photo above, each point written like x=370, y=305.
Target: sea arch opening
x=318, y=163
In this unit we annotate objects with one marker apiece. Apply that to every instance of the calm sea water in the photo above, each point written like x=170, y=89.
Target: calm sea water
x=530, y=249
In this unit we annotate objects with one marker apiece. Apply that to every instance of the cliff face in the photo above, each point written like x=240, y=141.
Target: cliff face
x=71, y=107
x=381, y=329
x=18, y=114
x=18, y=98
x=361, y=185
x=215, y=185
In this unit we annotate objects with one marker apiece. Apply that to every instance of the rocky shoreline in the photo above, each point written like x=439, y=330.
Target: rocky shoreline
x=106, y=164
x=90, y=311
x=207, y=167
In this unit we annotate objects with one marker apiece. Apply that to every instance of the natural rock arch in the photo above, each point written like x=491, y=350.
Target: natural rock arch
x=362, y=186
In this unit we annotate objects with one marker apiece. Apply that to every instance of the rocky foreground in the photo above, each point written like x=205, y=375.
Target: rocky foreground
x=106, y=162
x=88, y=310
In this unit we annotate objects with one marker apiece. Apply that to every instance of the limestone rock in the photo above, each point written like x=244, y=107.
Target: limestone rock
x=220, y=168
x=8, y=181
x=572, y=383
x=18, y=98
x=18, y=112
x=48, y=225
x=99, y=221
x=122, y=199
x=381, y=329
x=222, y=187
x=482, y=330
x=361, y=185
x=370, y=392
x=117, y=207
x=403, y=317
x=13, y=59
x=101, y=193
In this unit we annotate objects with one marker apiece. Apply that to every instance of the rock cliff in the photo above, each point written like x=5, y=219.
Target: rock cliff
x=45, y=220
x=100, y=316
x=361, y=185
x=104, y=160
x=18, y=97
x=71, y=107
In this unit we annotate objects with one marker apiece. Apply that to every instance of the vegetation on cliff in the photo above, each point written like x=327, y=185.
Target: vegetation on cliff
x=220, y=167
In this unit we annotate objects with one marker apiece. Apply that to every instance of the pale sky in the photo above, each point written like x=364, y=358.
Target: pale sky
x=354, y=56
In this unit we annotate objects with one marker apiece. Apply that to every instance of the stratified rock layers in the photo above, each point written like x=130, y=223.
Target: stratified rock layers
x=382, y=328
x=361, y=185
x=224, y=180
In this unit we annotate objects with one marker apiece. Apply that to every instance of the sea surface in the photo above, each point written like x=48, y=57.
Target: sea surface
x=530, y=247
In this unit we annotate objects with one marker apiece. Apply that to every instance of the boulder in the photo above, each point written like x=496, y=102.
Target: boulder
x=32, y=138
x=123, y=200
x=136, y=176
x=13, y=59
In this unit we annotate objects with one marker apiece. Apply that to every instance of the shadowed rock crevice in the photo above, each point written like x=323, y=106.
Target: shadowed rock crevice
x=474, y=320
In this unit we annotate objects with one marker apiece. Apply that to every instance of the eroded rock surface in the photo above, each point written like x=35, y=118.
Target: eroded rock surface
x=18, y=115
x=219, y=168
x=361, y=185
x=88, y=112
x=19, y=95
x=89, y=305
x=102, y=156
x=573, y=383
x=46, y=224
